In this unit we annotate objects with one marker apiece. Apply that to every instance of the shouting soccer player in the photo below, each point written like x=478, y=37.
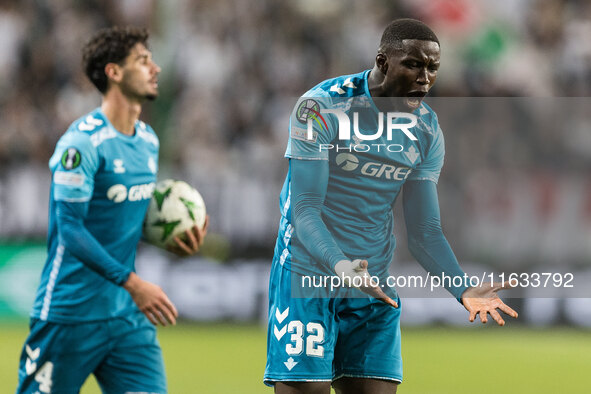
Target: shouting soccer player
x=336, y=221
x=92, y=313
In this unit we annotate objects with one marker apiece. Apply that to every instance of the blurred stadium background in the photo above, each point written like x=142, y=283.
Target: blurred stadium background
x=515, y=191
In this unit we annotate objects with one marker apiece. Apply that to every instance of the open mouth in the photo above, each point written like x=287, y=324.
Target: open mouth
x=414, y=99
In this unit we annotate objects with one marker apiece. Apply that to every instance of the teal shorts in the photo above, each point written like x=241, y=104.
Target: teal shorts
x=324, y=339
x=122, y=353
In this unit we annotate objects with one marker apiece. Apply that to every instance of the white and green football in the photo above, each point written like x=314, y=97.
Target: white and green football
x=174, y=208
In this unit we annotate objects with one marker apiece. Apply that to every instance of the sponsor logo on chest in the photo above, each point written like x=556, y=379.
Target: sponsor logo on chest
x=120, y=193
x=349, y=162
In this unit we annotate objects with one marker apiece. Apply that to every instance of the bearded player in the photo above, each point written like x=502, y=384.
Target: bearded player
x=336, y=208
x=92, y=313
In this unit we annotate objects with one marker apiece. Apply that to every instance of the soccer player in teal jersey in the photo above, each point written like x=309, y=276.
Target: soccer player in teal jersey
x=336, y=221
x=92, y=313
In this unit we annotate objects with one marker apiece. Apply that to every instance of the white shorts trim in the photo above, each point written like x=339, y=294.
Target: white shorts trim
x=271, y=381
x=348, y=375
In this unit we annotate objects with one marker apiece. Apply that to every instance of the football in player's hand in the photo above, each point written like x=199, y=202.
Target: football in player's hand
x=174, y=208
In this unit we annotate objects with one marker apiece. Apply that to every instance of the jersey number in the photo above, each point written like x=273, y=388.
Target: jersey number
x=315, y=337
x=43, y=377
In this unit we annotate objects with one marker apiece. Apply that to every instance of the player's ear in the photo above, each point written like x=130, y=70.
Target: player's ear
x=113, y=72
x=382, y=62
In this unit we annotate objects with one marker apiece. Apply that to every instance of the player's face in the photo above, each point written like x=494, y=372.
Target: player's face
x=140, y=74
x=411, y=72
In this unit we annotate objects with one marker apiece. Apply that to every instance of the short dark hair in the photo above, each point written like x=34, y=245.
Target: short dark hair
x=405, y=29
x=110, y=45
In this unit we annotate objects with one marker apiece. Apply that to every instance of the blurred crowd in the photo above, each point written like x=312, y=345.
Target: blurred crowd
x=232, y=70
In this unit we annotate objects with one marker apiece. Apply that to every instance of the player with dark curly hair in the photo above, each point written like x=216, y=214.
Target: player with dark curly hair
x=110, y=46
x=93, y=314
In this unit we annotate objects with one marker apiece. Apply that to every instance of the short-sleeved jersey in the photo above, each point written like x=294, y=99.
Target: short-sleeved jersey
x=365, y=175
x=115, y=174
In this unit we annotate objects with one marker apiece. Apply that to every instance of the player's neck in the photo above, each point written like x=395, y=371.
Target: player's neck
x=376, y=86
x=375, y=83
x=121, y=112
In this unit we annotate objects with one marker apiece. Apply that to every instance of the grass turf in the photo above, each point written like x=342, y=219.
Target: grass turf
x=225, y=358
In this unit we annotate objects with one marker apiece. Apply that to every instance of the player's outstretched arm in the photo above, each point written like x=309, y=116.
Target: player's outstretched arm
x=426, y=240
x=429, y=246
x=484, y=300
x=194, y=240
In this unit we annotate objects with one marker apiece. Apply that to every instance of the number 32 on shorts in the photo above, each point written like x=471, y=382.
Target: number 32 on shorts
x=314, y=337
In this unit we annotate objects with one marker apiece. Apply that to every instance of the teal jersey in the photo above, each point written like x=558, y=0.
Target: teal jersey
x=366, y=171
x=114, y=176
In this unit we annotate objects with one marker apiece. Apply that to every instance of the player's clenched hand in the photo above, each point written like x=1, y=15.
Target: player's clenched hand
x=484, y=300
x=193, y=240
x=354, y=274
x=151, y=300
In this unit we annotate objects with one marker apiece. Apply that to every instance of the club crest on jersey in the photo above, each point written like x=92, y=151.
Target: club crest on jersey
x=71, y=158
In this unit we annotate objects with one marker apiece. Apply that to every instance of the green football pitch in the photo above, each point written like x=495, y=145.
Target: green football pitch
x=225, y=358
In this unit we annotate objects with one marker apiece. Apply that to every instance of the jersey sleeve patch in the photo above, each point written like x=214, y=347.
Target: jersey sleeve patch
x=68, y=178
x=310, y=130
x=71, y=158
x=74, y=165
x=302, y=135
x=306, y=109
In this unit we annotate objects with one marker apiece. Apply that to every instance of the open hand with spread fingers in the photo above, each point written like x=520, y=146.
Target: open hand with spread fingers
x=483, y=300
